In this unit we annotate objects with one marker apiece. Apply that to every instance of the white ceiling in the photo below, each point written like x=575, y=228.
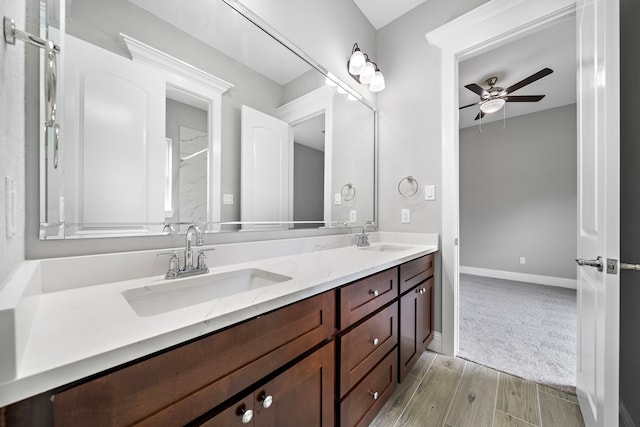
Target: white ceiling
x=310, y=133
x=553, y=47
x=381, y=12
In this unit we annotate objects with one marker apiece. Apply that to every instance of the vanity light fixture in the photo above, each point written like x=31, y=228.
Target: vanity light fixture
x=364, y=70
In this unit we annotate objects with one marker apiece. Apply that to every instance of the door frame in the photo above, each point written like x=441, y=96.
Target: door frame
x=488, y=26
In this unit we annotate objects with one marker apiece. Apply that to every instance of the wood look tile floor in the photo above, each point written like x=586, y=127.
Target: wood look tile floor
x=441, y=391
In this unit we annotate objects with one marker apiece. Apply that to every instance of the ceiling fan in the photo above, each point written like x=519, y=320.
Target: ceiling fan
x=494, y=98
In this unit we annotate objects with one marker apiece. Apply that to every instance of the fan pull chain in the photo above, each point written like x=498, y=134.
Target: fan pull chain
x=504, y=116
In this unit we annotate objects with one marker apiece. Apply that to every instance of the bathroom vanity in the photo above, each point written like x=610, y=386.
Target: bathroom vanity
x=328, y=348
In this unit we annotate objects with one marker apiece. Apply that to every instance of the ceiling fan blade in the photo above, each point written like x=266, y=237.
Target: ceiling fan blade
x=470, y=105
x=475, y=89
x=532, y=78
x=479, y=116
x=525, y=98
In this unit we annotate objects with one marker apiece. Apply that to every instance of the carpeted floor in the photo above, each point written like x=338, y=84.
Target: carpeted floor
x=523, y=329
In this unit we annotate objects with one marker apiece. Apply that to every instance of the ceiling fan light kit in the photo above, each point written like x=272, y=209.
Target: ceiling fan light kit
x=364, y=70
x=493, y=98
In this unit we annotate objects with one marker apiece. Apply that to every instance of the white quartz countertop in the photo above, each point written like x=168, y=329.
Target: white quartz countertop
x=82, y=331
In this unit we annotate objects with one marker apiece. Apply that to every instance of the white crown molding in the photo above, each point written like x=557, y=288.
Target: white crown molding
x=494, y=19
x=560, y=282
x=144, y=53
x=306, y=106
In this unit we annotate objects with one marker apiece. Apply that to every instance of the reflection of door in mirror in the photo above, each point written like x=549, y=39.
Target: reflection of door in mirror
x=266, y=166
x=308, y=172
x=114, y=148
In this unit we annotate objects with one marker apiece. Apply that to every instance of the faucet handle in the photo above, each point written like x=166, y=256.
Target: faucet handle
x=202, y=259
x=174, y=264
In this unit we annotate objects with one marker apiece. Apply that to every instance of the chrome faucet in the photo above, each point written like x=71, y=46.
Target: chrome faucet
x=362, y=239
x=188, y=252
x=189, y=269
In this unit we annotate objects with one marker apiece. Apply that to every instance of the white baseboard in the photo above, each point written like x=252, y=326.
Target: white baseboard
x=436, y=344
x=521, y=277
x=625, y=417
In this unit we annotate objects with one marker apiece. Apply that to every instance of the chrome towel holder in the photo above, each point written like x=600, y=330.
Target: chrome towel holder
x=410, y=189
x=11, y=34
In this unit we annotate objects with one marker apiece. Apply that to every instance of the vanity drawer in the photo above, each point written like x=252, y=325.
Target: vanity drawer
x=361, y=406
x=364, y=346
x=365, y=296
x=414, y=272
x=179, y=385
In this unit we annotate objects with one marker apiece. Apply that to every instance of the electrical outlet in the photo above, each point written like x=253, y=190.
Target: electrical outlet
x=337, y=199
x=353, y=215
x=227, y=199
x=523, y=260
x=405, y=216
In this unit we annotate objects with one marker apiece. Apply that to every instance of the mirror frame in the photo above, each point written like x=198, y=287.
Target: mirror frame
x=52, y=221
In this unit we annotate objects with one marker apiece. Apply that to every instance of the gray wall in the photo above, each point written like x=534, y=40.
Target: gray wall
x=518, y=194
x=12, y=138
x=410, y=132
x=629, y=207
x=308, y=184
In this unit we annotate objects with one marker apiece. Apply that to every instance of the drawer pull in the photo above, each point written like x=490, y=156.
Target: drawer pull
x=374, y=394
x=266, y=400
x=375, y=341
x=374, y=292
x=421, y=291
x=247, y=414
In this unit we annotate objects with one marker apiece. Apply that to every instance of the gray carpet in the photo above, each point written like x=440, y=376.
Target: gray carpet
x=523, y=329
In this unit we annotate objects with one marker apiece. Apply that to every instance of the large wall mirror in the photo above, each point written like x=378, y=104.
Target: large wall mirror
x=176, y=112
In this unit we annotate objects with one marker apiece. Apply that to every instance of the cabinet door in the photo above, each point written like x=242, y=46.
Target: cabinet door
x=300, y=396
x=425, y=313
x=239, y=415
x=416, y=322
x=409, y=350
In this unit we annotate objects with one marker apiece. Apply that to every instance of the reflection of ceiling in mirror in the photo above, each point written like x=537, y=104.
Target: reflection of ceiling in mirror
x=310, y=133
x=216, y=24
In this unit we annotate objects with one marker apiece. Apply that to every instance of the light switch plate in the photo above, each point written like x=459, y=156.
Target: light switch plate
x=405, y=216
x=337, y=199
x=430, y=192
x=353, y=215
x=227, y=199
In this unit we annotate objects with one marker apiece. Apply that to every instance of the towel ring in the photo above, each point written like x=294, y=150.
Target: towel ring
x=412, y=185
x=348, y=192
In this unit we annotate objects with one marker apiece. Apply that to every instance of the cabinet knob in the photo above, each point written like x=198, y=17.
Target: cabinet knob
x=374, y=292
x=374, y=394
x=375, y=341
x=266, y=400
x=247, y=414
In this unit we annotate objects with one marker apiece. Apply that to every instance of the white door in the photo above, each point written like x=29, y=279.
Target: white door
x=266, y=170
x=115, y=144
x=598, y=209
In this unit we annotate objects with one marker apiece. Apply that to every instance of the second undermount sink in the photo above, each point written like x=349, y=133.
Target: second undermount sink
x=180, y=293
x=387, y=248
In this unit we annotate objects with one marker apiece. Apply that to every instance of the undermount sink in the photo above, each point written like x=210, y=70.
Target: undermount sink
x=180, y=293
x=387, y=248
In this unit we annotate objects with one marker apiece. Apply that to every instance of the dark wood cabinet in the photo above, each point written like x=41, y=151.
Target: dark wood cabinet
x=416, y=324
x=332, y=359
x=300, y=396
x=179, y=385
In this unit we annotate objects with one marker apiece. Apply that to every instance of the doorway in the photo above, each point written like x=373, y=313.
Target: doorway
x=518, y=198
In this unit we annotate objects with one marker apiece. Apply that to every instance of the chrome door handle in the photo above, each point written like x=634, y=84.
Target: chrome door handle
x=598, y=262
